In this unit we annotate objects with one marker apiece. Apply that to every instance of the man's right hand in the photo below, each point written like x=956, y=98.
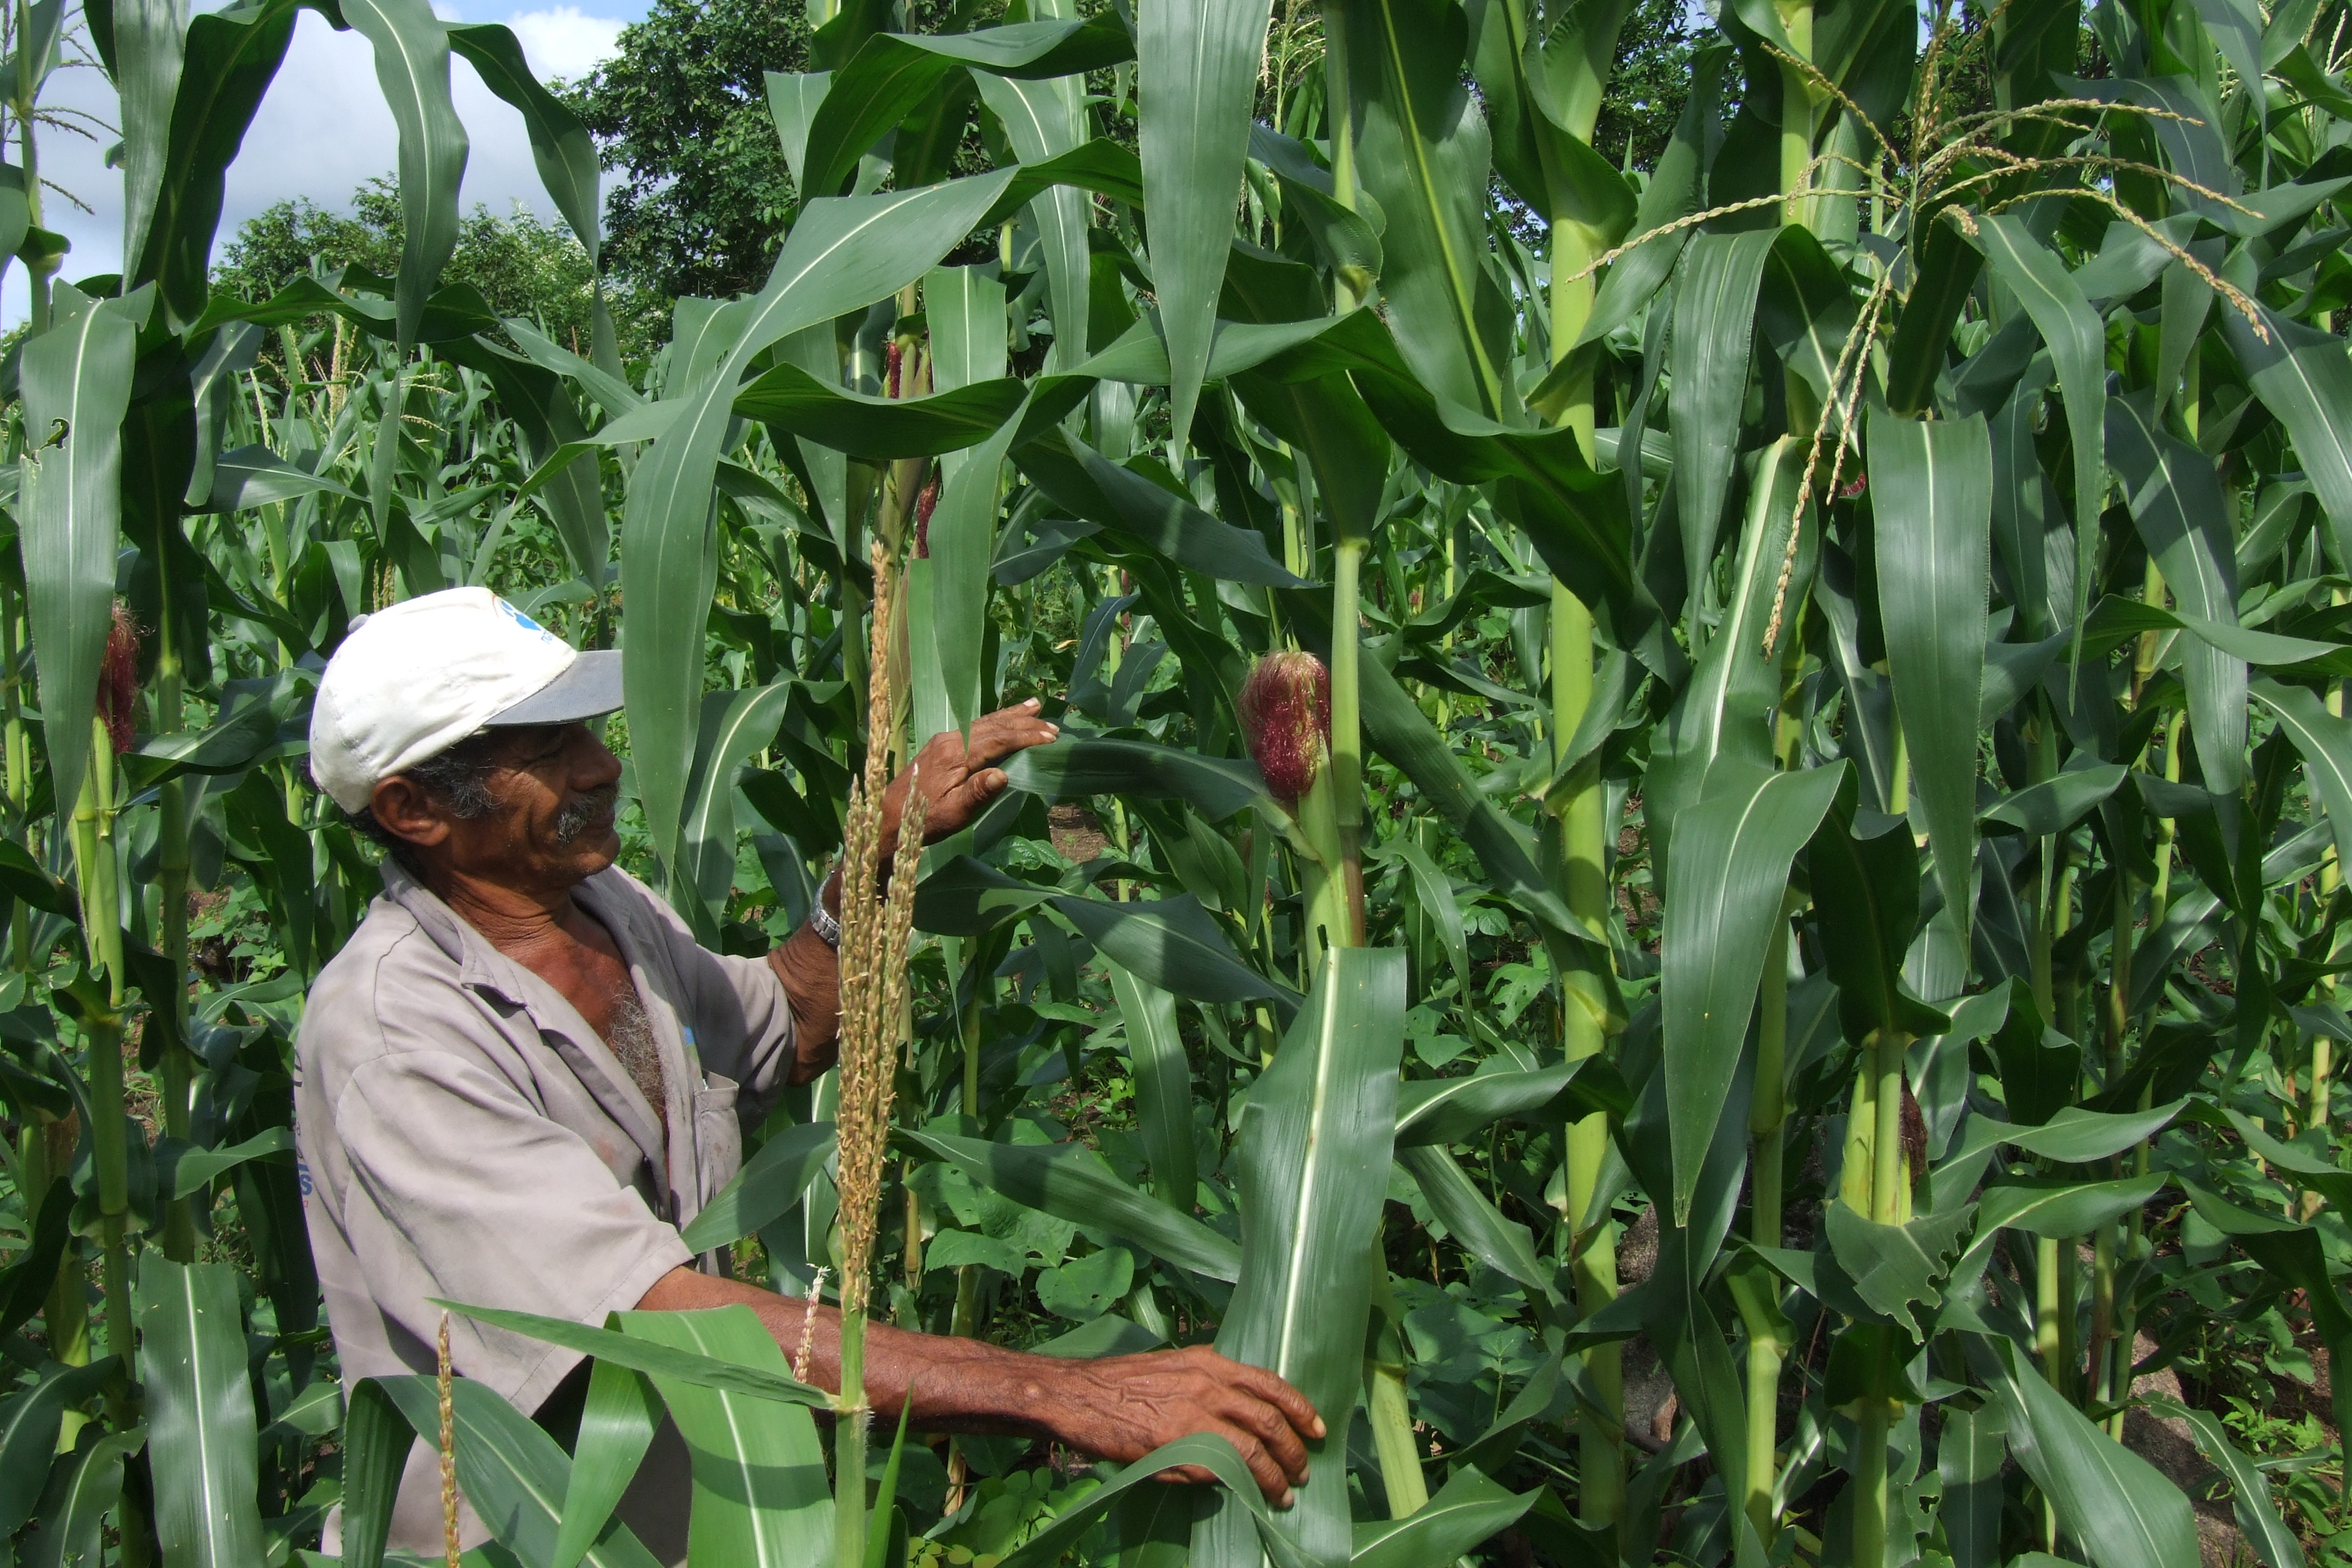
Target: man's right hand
x=1122, y=1407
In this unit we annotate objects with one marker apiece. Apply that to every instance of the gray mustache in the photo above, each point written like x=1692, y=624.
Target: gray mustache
x=594, y=809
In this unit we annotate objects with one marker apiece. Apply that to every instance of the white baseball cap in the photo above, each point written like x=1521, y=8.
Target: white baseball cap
x=414, y=680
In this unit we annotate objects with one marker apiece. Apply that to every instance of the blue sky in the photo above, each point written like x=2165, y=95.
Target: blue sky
x=324, y=129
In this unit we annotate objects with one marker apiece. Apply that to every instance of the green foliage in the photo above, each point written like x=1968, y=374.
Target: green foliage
x=523, y=265
x=680, y=113
x=1820, y=890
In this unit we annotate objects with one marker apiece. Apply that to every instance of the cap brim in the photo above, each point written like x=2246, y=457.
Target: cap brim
x=588, y=687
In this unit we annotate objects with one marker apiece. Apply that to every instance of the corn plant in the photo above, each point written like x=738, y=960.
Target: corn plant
x=1737, y=767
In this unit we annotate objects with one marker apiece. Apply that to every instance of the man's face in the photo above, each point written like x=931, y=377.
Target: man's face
x=554, y=789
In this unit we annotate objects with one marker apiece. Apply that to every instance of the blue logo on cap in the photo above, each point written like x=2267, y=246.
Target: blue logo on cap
x=525, y=622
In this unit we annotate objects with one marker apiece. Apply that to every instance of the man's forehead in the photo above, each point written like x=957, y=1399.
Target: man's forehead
x=513, y=741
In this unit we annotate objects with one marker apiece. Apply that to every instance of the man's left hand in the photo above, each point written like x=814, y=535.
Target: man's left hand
x=958, y=781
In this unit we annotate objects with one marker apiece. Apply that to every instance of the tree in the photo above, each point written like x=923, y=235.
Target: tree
x=523, y=265
x=680, y=113
x=1651, y=80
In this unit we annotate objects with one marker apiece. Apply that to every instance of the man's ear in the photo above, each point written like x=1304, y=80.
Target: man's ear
x=404, y=809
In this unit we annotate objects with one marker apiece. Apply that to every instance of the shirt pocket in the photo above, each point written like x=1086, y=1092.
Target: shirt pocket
x=718, y=1136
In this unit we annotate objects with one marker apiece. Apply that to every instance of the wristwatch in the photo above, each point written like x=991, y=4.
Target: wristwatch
x=827, y=929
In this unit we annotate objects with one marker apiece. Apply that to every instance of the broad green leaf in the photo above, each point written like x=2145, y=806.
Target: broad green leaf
x=1805, y=311
x=2073, y=1136
x=1723, y=713
x=1433, y=893
x=2024, y=502
x=1714, y=314
x=1347, y=241
x=2078, y=348
x=1577, y=519
x=377, y=1441
x=2292, y=1253
x=1073, y=1183
x=228, y=60
x=793, y=99
x=616, y=1427
x=83, y=1487
x=2313, y=1172
x=1046, y=120
x=1931, y=484
x=841, y=255
x=1197, y=77
x=1163, y=1087
x=2176, y=500
x=2055, y=804
x=149, y=38
x=2303, y=377
x=965, y=308
x=760, y=1492
x=2118, y=620
x=1313, y=1148
x=1473, y=1219
x=1205, y=1449
x=615, y=393
x=1471, y=1508
x=1724, y=888
x=2325, y=742
x=674, y=1365
x=768, y=1185
x=26, y=1282
x=892, y=74
x=2062, y=1209
x=1077, y=766
x=1421, y=150
x=1945, y=266
x=1178, y=529
x=199, y=1412
x=512, y=1472
x=1894, y=1265
x=412, y=66
x=560, y=144
x=967, y=897
x=254, y=476
x=1453, y=1110
x=2114, y=1504
x=76, y=386
x=735, y=724
x=879, y=427
x=30, y=1421
x=1866, y=896
x=1969, y=1457
x=199, y=1168
x=1173, y=943
x=1327, y=420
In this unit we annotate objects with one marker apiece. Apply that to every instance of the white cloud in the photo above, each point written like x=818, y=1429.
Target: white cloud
x=321, y=132
x=564, y=42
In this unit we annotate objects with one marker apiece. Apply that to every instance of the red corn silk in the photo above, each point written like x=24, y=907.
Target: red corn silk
x=1285, y=711
x=118, y=681
x=890, y=380
x=1853, y=487
x=925, y=503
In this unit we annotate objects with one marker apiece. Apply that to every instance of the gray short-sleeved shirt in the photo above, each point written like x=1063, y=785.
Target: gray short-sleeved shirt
x=465, y=1135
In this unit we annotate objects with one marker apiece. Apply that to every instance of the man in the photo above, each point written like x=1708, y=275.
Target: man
x=521, y=1076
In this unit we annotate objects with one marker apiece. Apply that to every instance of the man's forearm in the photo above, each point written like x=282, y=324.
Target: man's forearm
x=1119, y=1408
x=956, y=1385
x=811, y=971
